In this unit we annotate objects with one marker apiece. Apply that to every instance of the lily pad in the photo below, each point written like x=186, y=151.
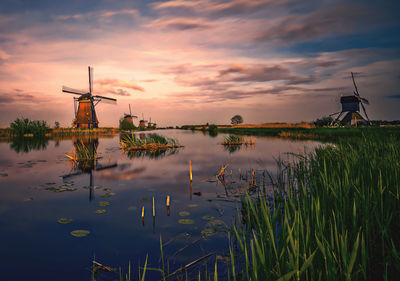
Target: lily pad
x=184, y=214
x=207, y=218
x=206, y=232
x=186, y=221
x=3, y=174
x=192, y=205
x=60, y=189
x=216, y=223
x=132, y=208
x=144, y=199
x=28, y=199
x=108, y=195
x=104, y=204
x=100, y=211
x=80, y=233
x=64, y=220
x=106, y=189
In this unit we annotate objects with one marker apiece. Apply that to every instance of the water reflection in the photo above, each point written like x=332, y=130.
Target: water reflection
x=84, y=160
x=24, y=145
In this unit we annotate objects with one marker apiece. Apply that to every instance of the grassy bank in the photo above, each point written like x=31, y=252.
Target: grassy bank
x=335, y=216
x=322, y=133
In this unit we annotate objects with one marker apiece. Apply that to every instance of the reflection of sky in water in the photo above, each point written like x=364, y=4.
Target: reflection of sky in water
x=33, y=240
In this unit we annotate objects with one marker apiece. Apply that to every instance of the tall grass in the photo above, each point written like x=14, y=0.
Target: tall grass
x=149, y=142
x=334, y=217
x=25, y=127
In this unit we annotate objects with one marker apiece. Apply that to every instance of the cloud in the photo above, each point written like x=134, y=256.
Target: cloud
x=341, y=19
x=394, y=96
x=180, y=24
x=99, y=15
x=214, y=8
x=110, y=82
x=20, y=96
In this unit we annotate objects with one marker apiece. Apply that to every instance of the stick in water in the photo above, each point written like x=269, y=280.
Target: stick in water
x=190, y=168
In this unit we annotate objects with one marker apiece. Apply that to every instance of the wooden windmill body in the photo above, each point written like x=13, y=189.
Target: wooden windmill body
x=129, y=117
x=85, y=115
x=351, y=109
x=142, y=123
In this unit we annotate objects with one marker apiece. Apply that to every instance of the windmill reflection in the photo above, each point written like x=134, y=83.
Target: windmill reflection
x=84, y=160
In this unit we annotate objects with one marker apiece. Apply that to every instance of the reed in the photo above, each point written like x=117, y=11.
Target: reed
x=151, y=142
x=233, y=140
x=334, y=217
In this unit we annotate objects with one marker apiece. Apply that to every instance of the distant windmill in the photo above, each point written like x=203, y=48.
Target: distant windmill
x=85, y=116
x=151, y=124
x=129, y=117
x=351, y=106
x=142, y=123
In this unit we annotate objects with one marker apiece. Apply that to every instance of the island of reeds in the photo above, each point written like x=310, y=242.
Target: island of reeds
x=147, y=142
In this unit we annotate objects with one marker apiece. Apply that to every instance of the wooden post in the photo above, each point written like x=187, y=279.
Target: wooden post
x=143, y=215
x=168, y=210
x=154, y=208
x=190, y=168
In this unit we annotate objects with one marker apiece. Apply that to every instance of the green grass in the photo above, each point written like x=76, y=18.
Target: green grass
x=335, y=216
x=149, y=142
x=324, y=133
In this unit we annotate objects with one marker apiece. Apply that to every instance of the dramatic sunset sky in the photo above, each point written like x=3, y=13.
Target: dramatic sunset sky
x=184, y=62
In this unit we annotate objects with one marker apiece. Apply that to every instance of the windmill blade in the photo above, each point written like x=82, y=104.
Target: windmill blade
x=134, y=116
x=334, y=113
x=101, y=97
x=364, y=100
x=354, y=82
x=69, y=90
x=90, y=79
x=365, y=112
x=130, y=111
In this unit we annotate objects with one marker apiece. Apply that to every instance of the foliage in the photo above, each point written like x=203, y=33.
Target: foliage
x=24, y=126
x=125, y=124
x=232, y=140
x=324, y=121
x=150, y=142
x=335, y=216
x=237, y=119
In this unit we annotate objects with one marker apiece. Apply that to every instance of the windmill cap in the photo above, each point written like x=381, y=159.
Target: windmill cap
x=348, y=99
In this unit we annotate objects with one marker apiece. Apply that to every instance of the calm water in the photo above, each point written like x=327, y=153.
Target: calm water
x=36, y=247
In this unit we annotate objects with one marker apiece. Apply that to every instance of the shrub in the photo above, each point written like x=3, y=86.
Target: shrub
x=24, y=126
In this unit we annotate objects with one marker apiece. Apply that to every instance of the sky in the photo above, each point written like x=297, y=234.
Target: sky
x=191, y=62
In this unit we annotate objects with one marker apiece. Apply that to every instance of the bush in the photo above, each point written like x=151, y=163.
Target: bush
x=125, y=124
x=24, y=126
x=324, y=121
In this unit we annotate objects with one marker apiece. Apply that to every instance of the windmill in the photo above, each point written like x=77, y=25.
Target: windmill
x=85, y=116
x=142, y=123
x=150, y=124
x=351, y=106
x=129, y=117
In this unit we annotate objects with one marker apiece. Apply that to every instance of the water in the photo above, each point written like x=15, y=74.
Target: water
x=36, y=247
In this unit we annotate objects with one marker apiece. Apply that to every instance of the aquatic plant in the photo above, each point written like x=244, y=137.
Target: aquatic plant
x=149, y=142
x=334, y=217
x=232, y=140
